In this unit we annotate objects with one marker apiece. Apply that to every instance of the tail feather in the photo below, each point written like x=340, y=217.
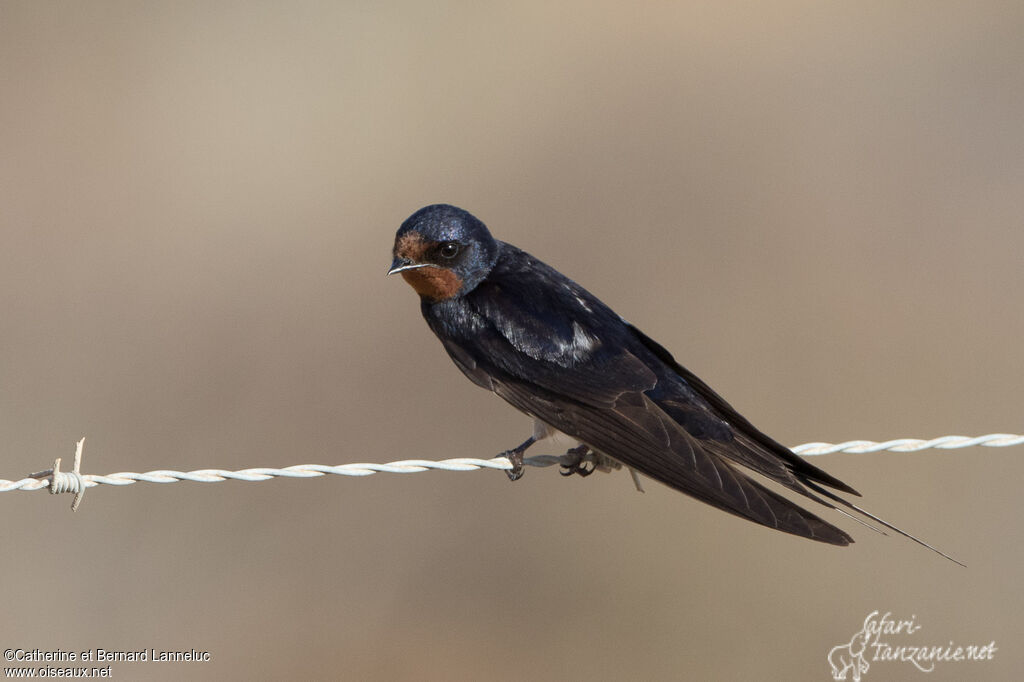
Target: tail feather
x=849, y=505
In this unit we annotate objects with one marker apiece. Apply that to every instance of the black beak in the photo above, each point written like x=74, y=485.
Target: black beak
x=397, y=264
x=400, y=263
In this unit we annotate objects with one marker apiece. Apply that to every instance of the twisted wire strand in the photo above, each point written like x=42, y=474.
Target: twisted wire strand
x=992, y=440
x=75, y=482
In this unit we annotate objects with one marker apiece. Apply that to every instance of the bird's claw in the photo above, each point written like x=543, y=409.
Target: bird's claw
x=576, y=461
x=515, y=457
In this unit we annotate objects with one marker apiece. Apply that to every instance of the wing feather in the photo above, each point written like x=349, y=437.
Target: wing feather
x=558, y=354
x=642, y=436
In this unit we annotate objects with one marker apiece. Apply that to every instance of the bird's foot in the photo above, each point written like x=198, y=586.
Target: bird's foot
x=515, y=457
x=576, y=461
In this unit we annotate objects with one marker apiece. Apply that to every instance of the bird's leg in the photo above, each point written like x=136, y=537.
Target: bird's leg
x=575, y=461
x=515, y=456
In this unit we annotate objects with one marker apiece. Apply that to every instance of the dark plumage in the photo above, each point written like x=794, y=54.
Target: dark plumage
x=521, y=329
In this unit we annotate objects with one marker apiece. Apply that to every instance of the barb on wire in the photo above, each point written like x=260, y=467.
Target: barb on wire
x=64, y=481
x=58, y=481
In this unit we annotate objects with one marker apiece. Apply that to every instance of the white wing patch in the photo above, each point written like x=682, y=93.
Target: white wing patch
x=583, y=343
x=576, y=294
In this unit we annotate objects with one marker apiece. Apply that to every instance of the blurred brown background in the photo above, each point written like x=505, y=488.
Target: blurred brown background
x=817, y=207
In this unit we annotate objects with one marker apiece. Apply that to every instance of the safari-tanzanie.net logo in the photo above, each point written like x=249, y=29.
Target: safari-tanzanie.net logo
x=885, y=640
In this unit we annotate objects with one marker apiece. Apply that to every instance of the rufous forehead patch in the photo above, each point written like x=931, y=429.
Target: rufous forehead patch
x=411, y=245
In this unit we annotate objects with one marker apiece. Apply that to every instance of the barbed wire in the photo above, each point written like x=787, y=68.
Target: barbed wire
x=992, y=440
x=58, y=481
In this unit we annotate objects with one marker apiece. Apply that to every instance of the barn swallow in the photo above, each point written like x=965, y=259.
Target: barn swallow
x=518, y=327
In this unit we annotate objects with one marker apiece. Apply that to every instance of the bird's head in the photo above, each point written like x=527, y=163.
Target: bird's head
x=443, y=252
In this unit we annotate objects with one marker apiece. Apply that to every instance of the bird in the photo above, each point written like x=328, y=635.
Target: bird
x=524, y=331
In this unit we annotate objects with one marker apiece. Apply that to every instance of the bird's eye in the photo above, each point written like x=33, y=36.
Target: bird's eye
x=449, y=250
